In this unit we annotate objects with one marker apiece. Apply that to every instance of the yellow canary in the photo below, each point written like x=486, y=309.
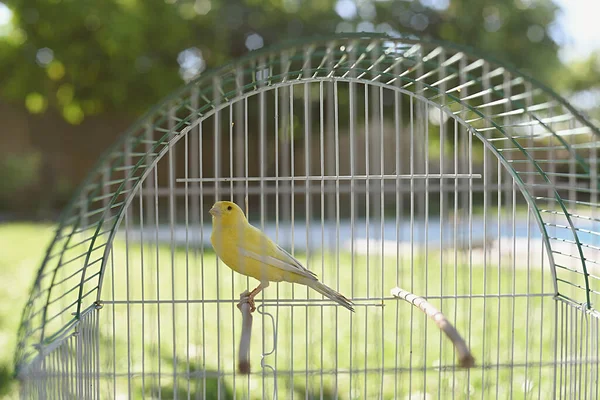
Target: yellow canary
x=247, y=250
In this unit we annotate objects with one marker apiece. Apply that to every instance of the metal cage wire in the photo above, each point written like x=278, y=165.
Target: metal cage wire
x=378, y=162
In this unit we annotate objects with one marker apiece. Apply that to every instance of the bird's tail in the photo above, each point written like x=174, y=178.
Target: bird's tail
x=332, y=294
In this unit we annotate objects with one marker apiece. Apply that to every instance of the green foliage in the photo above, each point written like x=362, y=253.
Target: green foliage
x=27, y=185
x=17, y=174
x=582, y=78
x=19, y=171
x=511, y=30
x=583, y=74
x=83, y=58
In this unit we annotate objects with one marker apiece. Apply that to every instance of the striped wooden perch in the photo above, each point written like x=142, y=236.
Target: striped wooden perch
x=465, y=358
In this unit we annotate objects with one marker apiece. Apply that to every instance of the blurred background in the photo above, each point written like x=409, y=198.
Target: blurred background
x=74, y=74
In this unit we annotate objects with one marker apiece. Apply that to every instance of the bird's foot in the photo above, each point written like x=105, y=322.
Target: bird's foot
x=245, y=298
x=252, y=306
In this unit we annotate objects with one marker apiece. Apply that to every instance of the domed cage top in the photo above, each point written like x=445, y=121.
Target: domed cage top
x=378, y=162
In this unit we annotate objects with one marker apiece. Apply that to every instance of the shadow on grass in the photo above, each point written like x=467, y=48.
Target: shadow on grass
x=215, y=387
x=196, y=387
x=315, y=392
x=6, y=380
x=196, y=390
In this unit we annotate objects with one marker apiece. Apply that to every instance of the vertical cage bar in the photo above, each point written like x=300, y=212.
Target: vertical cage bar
x=172, y=163
x=336, y=132
x=352, y=138
x=322, y=214
x=307, y=204
x=368, y=157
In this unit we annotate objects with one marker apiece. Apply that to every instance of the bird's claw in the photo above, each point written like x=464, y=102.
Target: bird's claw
x=246, y=299
x=249, y=302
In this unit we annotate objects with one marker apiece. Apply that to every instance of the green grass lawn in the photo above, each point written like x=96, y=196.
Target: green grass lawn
x=387, y=348
x=22, y=248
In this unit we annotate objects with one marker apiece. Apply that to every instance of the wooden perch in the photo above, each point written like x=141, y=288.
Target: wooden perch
x=465, y=358
x=244, y=353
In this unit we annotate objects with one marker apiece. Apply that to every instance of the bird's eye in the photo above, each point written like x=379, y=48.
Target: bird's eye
x=229, y=208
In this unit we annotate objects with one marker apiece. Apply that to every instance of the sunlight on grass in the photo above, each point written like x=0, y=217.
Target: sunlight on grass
x=22, y=249
x=386, y=347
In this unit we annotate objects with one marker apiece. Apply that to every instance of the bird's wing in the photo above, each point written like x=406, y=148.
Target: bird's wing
x=268, y=252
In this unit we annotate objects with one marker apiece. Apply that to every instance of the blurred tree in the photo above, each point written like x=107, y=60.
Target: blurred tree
x=84, y=57
x=581, y=84
x=514, y=31
x=583, y=75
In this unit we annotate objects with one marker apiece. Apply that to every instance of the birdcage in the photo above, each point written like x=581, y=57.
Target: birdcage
x=385, y=165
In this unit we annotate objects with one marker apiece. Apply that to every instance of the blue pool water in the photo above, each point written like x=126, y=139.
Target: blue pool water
x=313, y=235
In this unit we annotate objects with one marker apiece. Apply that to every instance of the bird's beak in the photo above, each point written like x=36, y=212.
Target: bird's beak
x=214, y=212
